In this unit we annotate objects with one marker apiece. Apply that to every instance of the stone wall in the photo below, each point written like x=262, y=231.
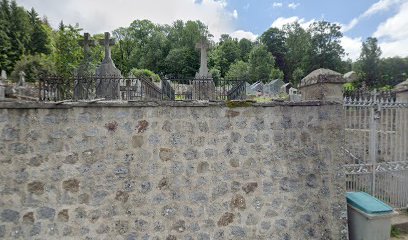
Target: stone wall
x=189, y=171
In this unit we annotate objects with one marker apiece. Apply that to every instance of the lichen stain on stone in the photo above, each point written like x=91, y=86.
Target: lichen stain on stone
x=112, y=126
x=238, y=201
x=71, y=185
x=36, y=187
x=122, y=196
x=142, y=126
x=165, y=154
x=231, y=114
x=250, y=187
x=226, y=219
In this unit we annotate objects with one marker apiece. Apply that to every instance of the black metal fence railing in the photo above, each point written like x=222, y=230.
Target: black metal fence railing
x=207, y=89
x=75, y=88
x=57, y=88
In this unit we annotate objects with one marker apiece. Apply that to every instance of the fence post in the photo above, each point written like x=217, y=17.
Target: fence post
x=374, y=118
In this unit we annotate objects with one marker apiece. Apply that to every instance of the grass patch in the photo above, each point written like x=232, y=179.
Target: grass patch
x=395, y=232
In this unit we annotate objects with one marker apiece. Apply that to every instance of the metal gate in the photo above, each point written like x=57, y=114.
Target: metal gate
x=376, y=143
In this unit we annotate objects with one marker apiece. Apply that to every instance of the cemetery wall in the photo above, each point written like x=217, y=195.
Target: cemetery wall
x=172, y=171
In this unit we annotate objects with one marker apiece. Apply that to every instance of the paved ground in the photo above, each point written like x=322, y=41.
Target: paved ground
x=401, y=218
x=402, y=237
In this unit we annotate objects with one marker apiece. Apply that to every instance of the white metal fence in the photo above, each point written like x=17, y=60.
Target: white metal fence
x=376, y=135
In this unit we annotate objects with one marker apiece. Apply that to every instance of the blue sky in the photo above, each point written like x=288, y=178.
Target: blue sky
x=385, y=19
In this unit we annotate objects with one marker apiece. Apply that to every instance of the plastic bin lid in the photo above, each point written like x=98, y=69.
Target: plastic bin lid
x=367, y=203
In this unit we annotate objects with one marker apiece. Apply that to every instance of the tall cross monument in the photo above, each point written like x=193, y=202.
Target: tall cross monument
x=203, y=46
x=107, y=42
x=108, y=86
x=203, y=84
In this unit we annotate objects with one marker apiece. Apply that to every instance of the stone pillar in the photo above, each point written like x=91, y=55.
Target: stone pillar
x=322, y=84
x=401, y=91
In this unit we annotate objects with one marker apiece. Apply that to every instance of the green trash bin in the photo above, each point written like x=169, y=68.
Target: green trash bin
x=368, y=217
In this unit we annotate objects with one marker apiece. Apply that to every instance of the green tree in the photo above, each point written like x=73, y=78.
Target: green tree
x=69, y=53
x=238, y=70
x=297, y=76
x=298, y=45
x=325, y=51
x=245, y=47
x=276, y=73
x=145, y=73
x=369, y=62
x=261, y=63
x=39, y=40
x=19, y=32
x=274, y=39
x=225, y=54
x=34, y=66
x=393, y=70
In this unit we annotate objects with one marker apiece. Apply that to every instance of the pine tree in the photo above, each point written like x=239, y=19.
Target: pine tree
x=39, y=42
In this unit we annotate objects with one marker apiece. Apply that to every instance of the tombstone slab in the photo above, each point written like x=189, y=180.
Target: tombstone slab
x=108, y=76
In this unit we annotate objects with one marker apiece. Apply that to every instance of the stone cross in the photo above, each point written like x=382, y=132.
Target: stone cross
x=107, y=42
x=21, y=82
x=87, y=43
x=203, y=46
x=3, y=75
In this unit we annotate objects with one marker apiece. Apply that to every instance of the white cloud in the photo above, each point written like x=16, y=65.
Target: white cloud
x=382, y=5
x=281, y=21
x=379, y=6
x=244, y=34
x=246, y=7
x=393, y=34
x=352, y=47
x=97, y=16
x=277, y=4
x=235, y=14
x=293, y=5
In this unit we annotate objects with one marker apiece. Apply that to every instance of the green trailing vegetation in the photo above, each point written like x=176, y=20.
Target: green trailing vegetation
x=238, y=104
x=28, y=43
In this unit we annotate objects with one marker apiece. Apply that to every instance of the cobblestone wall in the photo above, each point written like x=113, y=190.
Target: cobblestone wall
x=184, y=172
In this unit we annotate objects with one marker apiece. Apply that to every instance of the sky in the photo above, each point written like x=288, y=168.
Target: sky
x=386, y=20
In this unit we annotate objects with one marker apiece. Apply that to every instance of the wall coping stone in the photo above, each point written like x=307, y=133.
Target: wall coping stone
x=4, y=104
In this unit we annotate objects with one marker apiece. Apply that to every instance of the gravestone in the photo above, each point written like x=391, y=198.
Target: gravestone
x=82, y=83
x=272, y=88
x=108, y=76
x=21, y=81
x=3, y=78
x=203, y=84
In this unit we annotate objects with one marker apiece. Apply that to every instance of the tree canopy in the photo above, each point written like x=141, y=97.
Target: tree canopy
x=169, y=50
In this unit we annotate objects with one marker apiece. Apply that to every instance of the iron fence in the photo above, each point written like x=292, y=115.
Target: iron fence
x=376, y=134
x=207, y=89
x=92, y=87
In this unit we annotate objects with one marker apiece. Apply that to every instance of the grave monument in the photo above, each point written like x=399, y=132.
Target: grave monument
x=203, y=84
x=3, y=78
x=81, y=84
x=108, y=76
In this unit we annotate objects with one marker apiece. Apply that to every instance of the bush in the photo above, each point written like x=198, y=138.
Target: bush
x=137, y=73
x=33, y=66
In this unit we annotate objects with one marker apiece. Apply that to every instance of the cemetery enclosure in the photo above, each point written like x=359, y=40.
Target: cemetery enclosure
x=377, y=146
x=151, y=170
